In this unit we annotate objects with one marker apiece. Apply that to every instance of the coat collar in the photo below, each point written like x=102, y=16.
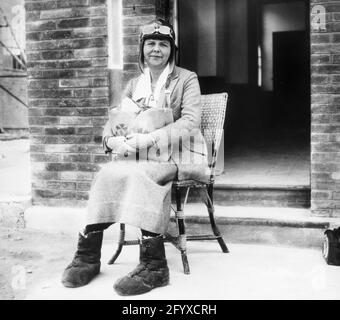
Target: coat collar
x=172, y=79
x=173, y=73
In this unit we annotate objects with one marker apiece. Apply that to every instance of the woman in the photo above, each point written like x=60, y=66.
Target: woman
x=138, y=193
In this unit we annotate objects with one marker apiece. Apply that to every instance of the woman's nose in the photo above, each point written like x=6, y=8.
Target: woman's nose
x=156, y=47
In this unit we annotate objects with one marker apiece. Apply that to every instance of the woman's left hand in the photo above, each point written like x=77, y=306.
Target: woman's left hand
x=140, y=140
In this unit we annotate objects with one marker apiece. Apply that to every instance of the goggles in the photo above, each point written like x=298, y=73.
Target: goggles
x=156, y=29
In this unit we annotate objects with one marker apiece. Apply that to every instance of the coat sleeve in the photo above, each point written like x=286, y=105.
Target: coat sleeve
x=190, y=114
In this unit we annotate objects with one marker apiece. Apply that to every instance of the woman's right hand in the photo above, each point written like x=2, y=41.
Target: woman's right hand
x=119, y=145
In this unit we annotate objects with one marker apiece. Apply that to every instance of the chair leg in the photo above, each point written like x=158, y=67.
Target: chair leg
x=182, y=239
x=211, y=210
x=120, y=244
x=185, y=262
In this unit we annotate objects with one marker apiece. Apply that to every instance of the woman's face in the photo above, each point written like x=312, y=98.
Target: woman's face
x=156, y=53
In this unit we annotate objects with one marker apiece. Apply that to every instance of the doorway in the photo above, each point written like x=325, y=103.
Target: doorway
x=258, y=52
x=290, y=71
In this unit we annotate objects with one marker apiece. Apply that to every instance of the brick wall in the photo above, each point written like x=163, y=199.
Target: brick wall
x=325, y=136
x=67, y=95
x=68, y=90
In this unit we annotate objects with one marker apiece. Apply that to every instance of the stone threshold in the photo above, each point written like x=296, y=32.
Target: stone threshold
x=69, y=219
x=249, y=195
x=226, y=186
x=257, y=216
x=294, y=227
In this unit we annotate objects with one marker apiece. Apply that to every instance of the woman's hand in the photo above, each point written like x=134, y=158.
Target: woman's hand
x=119, y=145
x=140, y=140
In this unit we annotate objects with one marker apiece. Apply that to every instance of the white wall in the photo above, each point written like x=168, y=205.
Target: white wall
x=206, y=32
x=13, y=114
x=15, y=13
x=278, y=17
x=237, y=66
x=206, y=53
x=197, y=23
x=221, y=37
x=187, y=24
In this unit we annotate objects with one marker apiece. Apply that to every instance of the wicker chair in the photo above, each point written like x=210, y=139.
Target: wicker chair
x=213, y=115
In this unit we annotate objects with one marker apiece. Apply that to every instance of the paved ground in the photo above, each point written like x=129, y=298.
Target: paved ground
x=15, y=174
x=28, y=257
x=247, y=272
x=31, y=264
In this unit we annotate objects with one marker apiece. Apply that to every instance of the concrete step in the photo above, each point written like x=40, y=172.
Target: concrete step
x=259, y=196
x=265, y=225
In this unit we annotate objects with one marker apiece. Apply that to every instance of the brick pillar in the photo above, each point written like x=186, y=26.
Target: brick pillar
x=325, y=135
x=67, y=96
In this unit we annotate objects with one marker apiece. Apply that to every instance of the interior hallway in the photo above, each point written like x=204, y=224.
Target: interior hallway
x=267, y=159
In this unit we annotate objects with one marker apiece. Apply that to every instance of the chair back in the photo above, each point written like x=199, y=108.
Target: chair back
x=212, y=121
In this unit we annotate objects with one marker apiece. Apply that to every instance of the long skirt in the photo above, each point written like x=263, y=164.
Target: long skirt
x=134, y=193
